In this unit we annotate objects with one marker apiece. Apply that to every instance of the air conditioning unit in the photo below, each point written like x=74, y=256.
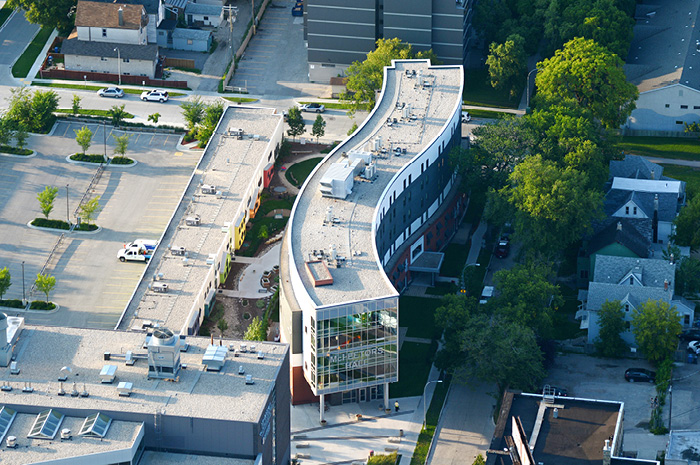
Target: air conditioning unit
x=12, y=442
x=124, y=389
x=249, y=379
x=66, y=434
x=160, y=287
x=193, y=220
x=208, y=189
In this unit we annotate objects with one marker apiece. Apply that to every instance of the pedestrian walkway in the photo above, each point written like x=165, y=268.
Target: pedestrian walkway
x=291, y=188
x=674, y=161
x=249, y=282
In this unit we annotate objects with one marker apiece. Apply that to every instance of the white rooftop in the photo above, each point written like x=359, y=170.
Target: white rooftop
x=121, y=435
x=647, y=185
x=228, y=164
x=165, y=458
x=361, y=275
x=43, y=351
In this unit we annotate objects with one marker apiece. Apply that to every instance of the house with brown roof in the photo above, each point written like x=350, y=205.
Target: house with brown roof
x=111, y=22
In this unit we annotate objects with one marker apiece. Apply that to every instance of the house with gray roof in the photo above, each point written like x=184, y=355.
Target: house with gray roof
x=632, y=281
x=635, y=167
x=113, y=58
x=663, y=61
x=203, y=14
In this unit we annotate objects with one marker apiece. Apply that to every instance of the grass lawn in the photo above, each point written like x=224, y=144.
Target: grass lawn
x=662, y=147
x=685, y=173
x=455, y=258
x=96, y=88
x=415, y=360
x=86, y=112
x=298, y=172
x=478, y=91
x=442, y=289
x=418, y=314
x=268, y=205
x=241, y=99
x=565, y=324
x=431, y=418
x=477, y=113
x=5, y=13
x=252, y=237
x=25, y=62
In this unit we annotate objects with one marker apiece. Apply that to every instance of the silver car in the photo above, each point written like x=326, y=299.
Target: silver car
x=114, y=92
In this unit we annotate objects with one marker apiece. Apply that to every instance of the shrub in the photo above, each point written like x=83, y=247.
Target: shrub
x=13, y=303
x=14, y=150
x=41, y=305
x=88, y=158
x=122, y=161
x=55, y=224
x=86, y=227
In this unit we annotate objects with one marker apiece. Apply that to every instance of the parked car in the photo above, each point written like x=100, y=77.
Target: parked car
x=690, y=335
x=466, y=117
x=313, y=107
x=114, y=92
x=556, y=390
x=640, y=375
x=694, y=347
x=157, y=95
x=486, y=294
x=503, y=247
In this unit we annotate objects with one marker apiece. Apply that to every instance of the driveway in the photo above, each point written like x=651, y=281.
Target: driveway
x=15, y=36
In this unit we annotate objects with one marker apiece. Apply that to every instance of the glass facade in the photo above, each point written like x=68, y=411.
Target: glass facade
x=355, y=345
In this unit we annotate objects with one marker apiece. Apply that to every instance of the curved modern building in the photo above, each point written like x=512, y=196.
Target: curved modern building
x=364, y=220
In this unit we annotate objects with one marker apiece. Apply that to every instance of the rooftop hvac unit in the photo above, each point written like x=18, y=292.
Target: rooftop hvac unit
x=214, y=358
x=129, y=358
x=244, y=348
x=160, y=287
x=178, y=251
x=208, y=189
x=14, y=369
x=256, y=136
x=163, y=354
x=124, y=389
x=241, y=370
x=66, y=434
x=405, y=113
x=193, y=220
x=261, y=355
x=108, y=374
x=11, y=442
x=211, y=259
x=249, y=379
x=64, y=373
x=370, y=171
x=252, y=348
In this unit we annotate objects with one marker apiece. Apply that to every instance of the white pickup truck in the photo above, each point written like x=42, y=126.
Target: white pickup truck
x=145, y=243
x=135, y=253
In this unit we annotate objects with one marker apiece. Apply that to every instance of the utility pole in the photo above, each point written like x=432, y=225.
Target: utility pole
x=67, y=210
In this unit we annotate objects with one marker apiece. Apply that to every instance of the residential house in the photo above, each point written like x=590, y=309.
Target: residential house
x=194, y=40
x=203, y=14
x=102, y=57
x=155, y=10
x=635, y=167
x=632, y=281
x=111, y=22
x=663, y=62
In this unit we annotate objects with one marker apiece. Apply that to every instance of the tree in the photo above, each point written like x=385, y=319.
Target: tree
x=507, y=65
x=451, y=319
x=256, y=331
x=352, y=129
x=20, y=112
x=117, y=113
x=365, y=78
x=592, y=77
x=5, y=281
x=75, y=107
x=46, y=199
x=611, y=319
x=222, y=325
x=45, y=283
x=89, y=208
x=296, y=123
x=319, y=128
x=48, y=13
x=688, y=224
x=121, y=144
x=83, y=137
x=479, y=460
x=154, y=117
x=555, y=206
x=212, y=114
x=688, y=277
x=6, y=131
x=21, y=137
x=526, y=296
x=656, y=326
x=193, y=111
x=264, y=232
x=44, y=103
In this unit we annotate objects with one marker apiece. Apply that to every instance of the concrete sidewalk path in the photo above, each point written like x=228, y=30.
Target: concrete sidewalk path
x=466, y=426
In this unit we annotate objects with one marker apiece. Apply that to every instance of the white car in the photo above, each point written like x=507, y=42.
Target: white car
x=694, y=347
x=486, y=294
x=157, y=95
x=466, y=117
x=313, y=107
x=114, y=92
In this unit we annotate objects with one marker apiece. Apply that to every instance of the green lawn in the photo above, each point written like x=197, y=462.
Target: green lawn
x=5, y=13
x=431, y=418
x=96, y=88
x=477, y=113
x=298, y=172
x=25, y=62
x=415, y=361
x=252, y=237
x=685, y=173
x=241, y=99
x=478, y=91
x=418, y=314
x=86, y=112
x=274, y=204
x=565, y=324
x=663, y=147
x=455, y=258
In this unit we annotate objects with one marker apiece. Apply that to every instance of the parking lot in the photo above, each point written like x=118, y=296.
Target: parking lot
x=603, y=379
x=92, y=285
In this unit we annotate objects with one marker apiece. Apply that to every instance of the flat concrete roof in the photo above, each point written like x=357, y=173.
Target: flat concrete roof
x=165, y=458
x=43, y=351
x=663, y=50
x=230, y=165
x=680, y=441
x=361, y=275
x=121, y=435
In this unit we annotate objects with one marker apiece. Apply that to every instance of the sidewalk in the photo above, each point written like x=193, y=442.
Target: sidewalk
x=249, y=283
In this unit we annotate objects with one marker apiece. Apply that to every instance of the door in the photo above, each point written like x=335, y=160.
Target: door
x=363, y=395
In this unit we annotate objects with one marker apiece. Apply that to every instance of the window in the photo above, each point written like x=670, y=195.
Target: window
x=206, y=18
x=627, y=307
x=679, y=122
x=684, y=107
x=104, y=32
x=627, y=210
x=634, y=210
x=189, y=41
x=103, y=58
x=125, y=60
x=696, y=107
x=631, y=280
x=667, y=105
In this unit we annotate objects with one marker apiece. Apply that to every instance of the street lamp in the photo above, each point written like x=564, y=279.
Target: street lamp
x=104, y=138
x=24, y=299
x=67, y=210
x=463, y=289
x=424, y=389
x=119, y=64
x=527, y=84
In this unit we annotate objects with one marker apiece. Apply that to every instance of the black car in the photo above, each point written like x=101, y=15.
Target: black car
x=690, y=335
x=640, y=375
x=503, y=247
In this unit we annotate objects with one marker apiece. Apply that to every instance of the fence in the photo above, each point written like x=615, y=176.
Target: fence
x=109, y=77
x=93, y=183
x=654, y=133
x=178, y=63
x=46, y=263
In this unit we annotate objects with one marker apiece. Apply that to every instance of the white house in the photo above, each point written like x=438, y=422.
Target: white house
x=103, y=57
x=155, y=10
x=204, y=14
x=111, y=22
x=663, y=63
